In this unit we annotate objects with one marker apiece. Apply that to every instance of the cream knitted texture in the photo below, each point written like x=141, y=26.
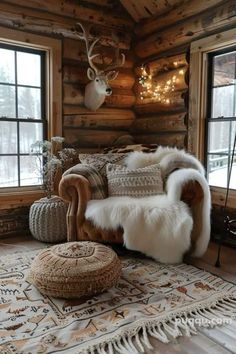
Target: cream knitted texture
x=47, y=219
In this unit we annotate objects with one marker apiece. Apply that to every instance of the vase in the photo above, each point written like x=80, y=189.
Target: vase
x=47, y=219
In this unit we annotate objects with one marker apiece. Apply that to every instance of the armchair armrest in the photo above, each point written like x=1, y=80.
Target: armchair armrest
x=191, y=187
x=76, y=190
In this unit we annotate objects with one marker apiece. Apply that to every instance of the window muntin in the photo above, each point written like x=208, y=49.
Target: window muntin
x=221, y=117
x=22, y=113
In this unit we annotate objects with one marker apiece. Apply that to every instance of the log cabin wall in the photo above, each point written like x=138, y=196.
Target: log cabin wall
x=81, y=127
x=162, y=43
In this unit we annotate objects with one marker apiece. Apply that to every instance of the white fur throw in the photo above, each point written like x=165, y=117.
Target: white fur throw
x=152, y=225
x=160, y=226
x=168, y=158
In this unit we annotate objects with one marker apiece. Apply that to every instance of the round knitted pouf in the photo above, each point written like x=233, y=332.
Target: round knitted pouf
x=75, y=269
x=47, y=219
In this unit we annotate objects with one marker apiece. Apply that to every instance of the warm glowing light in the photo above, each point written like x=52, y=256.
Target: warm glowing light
x=155, y=91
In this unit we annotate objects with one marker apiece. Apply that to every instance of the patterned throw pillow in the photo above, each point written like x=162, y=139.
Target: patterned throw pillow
x=141, y=182
x=99, y=161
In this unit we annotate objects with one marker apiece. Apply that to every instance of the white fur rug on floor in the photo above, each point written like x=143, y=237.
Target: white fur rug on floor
x=152, y=225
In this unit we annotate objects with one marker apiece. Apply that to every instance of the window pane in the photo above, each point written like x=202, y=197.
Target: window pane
x=29, y=170
x=7, y=101
x=218, y=171
x=224, y=69
x=218, y=137
x=8, y=168
x=233, y=132
x=7, y=66
x=8, y=137
x=28, y=69
x=223, y=102
x=29, y=103
x=29, y=134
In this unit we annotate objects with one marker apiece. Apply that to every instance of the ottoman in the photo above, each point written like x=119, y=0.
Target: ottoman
x=75, y=269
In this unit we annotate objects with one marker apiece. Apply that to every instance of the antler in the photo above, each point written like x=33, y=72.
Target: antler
x=89, y=47
x=116, y=63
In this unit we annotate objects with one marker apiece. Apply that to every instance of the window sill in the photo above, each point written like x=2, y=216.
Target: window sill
x=12, y=199
x=218, y=196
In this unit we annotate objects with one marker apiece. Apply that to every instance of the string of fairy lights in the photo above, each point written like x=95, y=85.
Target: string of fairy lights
x=159, y=92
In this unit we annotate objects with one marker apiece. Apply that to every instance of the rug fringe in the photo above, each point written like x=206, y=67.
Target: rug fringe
x=172, y=327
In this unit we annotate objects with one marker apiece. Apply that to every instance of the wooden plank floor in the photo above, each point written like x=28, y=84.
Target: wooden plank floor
x=219, y=340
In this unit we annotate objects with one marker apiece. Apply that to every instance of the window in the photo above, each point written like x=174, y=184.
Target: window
x=211, y=122
x=45, y=87
x=22, y=113
x=221, y=117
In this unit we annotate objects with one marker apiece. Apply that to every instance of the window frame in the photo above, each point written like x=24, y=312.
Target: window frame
x=18, y=120
x=198, y=94
x=53, y=102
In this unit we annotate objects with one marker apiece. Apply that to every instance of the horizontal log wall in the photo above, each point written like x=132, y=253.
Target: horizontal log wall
x=82, y=128
x=160, y=122
x=162, y=43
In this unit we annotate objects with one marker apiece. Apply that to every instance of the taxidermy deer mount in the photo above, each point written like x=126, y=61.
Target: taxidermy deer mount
x=98, y=88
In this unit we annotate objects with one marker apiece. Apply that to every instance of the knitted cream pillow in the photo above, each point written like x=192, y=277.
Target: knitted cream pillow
x=75, y=269
x=140, y=182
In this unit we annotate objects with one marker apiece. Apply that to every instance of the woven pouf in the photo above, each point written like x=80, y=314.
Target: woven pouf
x=47, y=219
x=75, y=269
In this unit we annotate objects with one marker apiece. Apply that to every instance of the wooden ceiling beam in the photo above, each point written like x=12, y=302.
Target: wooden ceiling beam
x=141, y=9
x=77, y=12
x=185, y=10
x=50, y=24
x=184, y=32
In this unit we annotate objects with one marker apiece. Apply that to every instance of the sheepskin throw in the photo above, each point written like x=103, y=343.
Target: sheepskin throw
x=138, y=182
x=75, y=269
x=160, y=226
x=152, y=225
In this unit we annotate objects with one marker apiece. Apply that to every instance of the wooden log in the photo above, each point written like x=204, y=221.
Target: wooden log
x=75, y=50
x=74, y=94
x=71, y=9
x=148, y=106
x=183, y=11
x=183, y=33
x=163, y=64
x=50, y=24
x=173, y=139
x=91, y=138
x=78, y=74
x=112, y=113
x=102, y=3
x=159, y=123
x=98, y=122
x=120, y=99
x=161, y=80
x=167, y=63
x=14, y=220
x=142, y=9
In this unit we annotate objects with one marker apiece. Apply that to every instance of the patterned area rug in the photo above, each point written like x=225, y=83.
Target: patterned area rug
x=150, y=300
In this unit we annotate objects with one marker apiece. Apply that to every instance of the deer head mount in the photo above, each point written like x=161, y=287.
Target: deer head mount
x=98, y=88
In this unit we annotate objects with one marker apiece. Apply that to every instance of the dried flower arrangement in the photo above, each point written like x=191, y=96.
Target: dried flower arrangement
x=50, y=159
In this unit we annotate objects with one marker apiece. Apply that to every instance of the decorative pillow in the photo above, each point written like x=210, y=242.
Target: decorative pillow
x=99, y=161
x=75, y=269
x=139, y=182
